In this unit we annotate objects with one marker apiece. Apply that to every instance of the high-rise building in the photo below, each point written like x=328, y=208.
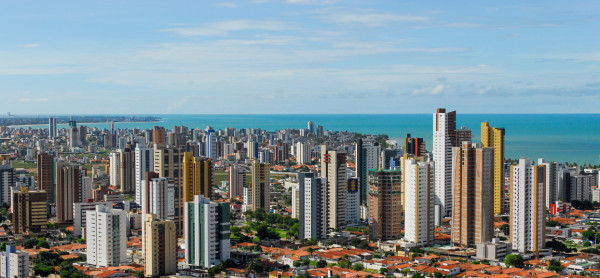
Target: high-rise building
x=492, y=137
x=360, y=155
x=373, y=154
x=252, y=150
x=419, y=202
x=444, y=125
x=261, y=186
x=127, y=171
x=579, y=186
x=73, y=134
x=333, y=168
x=312, y=210
x=30, y=211
x=237, y=180
x=158, y=135
x=8, y=179
x=168, y=164
x=114, y=168
x=197, y=177
x=311, y=127
x=473, y=205
x=159, y=198
x=527, y=198
x=80, y=215
x=45, y=178
x=67, y=192
x=414, y=146
x=281, y=152
x=13, y=263
x=385, y=204
x=206, y=232
x=106, y=236
x=52, y=133
x=319, y=132
x=552, y=186
x=353, y=202
x=303, y=153
x=211, y=143
x=160, y=247
x=144, y=162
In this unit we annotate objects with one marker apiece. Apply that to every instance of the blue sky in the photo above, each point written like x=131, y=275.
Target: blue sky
x=299, y=56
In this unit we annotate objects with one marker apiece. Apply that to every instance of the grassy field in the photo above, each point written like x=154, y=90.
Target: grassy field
x=24, y=164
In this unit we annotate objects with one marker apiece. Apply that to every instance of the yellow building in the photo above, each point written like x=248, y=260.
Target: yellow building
x=261, y=186
x=160, y=244
x=197, y=177
x=492, y=137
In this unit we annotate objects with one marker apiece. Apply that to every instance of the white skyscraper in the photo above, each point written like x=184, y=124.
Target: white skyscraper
x=161, y=198
x=303, y=153
x=106, y=238
x=211, y=143
x=144, y=162
x=114, y=169
x=527, y=206
x=207, y=239
x=13, y=263
x=442, y=155
x=419, y=202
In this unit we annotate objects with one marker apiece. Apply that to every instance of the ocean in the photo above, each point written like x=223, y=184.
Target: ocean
x=555, y=137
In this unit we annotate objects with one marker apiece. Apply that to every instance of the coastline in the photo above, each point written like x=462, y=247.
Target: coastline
x=88, y=123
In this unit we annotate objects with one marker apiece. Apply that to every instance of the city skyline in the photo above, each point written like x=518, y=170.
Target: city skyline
x=299, y=57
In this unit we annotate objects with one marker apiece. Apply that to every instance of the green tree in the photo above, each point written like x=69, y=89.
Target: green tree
x=557, y=246
x=321, y=264
x=358, y=267
x=139, y=274
x=589, y=234
x=513, y=260
x=505, y=228
x=383, y=271
x=297, y=263
x=555, y=266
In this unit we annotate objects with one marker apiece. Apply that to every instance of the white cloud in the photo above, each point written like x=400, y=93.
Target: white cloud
x=437, y=90
x=33, y=99
x=30, y=45
x=372, y=19
x=223, y=28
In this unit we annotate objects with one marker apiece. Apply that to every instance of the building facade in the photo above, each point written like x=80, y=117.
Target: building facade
x=385, y=204
x=528, y=206
x=333, y=168
x=207, y=236
x=237, y=180
x=106, y=237
x=30, y=211
x=13, y=263
x=492, y=137
x=160, y=247
x=419, y=202
x=261, y=186
x=444, y=125
x=312, y=208
x=197, y=177
x=473, y=205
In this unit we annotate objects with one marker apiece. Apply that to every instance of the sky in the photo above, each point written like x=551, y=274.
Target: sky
x=299, y=57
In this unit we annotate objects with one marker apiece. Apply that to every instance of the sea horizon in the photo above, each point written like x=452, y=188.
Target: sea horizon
x=556, y=137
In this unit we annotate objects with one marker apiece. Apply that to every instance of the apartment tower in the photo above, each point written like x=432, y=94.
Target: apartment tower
x=385, y=204
x=160, y=247
x=473, y=206
x=261, y=183
x=492, y=137
x=527, y=198
x=419, y=202
x=333, y=168
x=197, y=177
